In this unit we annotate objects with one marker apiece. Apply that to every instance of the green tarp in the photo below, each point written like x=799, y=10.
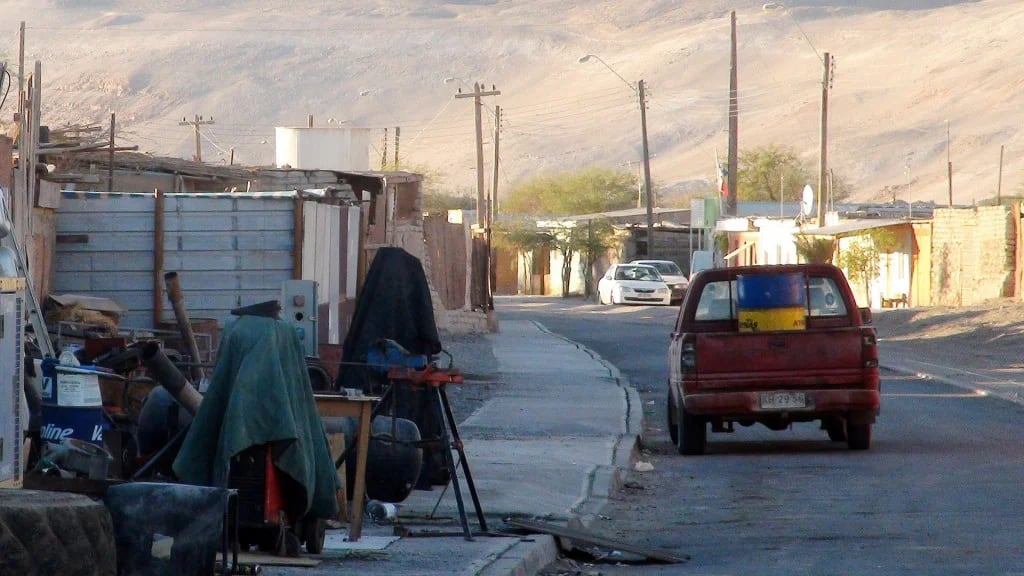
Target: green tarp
x=260, y=394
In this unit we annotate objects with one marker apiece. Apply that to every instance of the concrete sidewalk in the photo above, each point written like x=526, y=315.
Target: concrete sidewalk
x=553, y=441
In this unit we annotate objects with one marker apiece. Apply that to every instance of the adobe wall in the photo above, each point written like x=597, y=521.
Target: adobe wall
x=973, y=255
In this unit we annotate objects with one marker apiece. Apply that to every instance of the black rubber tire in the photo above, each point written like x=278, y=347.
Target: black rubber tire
x=858, y=435
x=55, y=533
x=670, y=417
x=692, y=431
x=836, y=428
x=314, y=531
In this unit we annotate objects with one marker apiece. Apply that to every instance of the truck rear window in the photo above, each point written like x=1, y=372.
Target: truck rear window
x=718, y=300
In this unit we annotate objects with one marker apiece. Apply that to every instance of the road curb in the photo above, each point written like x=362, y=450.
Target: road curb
x=524, y=558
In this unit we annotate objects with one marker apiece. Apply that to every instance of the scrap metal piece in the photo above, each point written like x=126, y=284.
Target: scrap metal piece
x=594, y=539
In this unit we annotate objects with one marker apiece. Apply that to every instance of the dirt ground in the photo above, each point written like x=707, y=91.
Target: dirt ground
x=993, y=330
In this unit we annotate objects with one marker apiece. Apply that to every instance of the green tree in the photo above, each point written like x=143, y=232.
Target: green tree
x=767, y=171
x=815, y=249
x=438, y=201
x=586, y=191
x=523, y=238
x=861, y=258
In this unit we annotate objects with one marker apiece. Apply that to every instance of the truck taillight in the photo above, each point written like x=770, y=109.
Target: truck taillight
x=688, y=359
x=869, y=348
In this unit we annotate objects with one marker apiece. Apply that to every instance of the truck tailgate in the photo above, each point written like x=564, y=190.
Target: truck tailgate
x=821, y=358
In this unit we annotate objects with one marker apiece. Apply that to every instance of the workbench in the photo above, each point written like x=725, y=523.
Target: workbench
x=360, y=407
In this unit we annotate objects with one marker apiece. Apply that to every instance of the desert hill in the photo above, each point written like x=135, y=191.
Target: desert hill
x=905, y=70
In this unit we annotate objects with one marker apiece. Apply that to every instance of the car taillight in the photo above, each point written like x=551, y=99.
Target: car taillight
x=688, y=357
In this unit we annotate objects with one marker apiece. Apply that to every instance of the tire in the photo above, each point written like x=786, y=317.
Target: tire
x=836, y=428
x=692, y=432
x=45, y=532
x=858, y=435
x=314, y=531
x=670, y=416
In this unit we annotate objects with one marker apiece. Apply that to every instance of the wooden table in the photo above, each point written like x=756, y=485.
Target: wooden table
x=361, y=407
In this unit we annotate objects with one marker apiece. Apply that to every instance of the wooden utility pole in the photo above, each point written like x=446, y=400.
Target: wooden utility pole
x=21, y=70
x=398, y=135
x=110, y=156
x=999, y=187
x=949, y=167
x=477, y=94
x=826, y=81
x=195, y=124
x=492, y=211
x=734, y=127
x=649, y=193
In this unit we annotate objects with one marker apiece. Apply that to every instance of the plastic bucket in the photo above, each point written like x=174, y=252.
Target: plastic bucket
x=772, y=319
x=72, y=406
x=768, y=291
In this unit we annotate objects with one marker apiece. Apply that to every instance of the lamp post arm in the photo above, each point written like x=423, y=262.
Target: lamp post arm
x=612, y=70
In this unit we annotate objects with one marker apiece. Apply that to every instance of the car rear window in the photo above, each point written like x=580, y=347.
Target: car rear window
x=718, y=300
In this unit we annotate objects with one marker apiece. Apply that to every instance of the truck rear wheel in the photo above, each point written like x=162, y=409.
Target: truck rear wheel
x=836, y=428
x=692, y=432
x=858, y=435
x=670, y=414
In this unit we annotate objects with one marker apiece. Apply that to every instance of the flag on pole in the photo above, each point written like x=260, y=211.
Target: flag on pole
x=723, y=176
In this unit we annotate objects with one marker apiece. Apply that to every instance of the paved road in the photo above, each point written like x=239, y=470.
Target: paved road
x=939, y=493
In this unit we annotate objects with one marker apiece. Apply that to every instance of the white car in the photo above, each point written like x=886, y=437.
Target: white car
x=633, y=284
x=672, y=275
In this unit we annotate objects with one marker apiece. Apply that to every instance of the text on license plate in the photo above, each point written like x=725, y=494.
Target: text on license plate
x=782, y=400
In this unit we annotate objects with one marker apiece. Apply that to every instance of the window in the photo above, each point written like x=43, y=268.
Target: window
x=717, y=302
x=824, y=299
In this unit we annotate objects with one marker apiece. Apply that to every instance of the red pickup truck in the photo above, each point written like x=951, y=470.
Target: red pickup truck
x=772, y=345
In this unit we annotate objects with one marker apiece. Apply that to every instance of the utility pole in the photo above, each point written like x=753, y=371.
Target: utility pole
x=999, y=188
x=492, y=211
x=195, y=124
x=477, y=94
x=398, y=134
x=734, y=127
x=649, y=193
x=384, y=151
x=21, y=70
x=110, y=157
x=494, y=185
x=949, y=167
x=826, y=84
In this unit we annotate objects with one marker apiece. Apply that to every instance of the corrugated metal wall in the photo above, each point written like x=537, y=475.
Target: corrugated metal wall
x=229, y=252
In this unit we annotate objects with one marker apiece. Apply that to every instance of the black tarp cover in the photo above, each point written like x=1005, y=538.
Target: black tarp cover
x=394, y=303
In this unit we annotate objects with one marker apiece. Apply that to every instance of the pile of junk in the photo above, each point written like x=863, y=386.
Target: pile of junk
x=224, y=452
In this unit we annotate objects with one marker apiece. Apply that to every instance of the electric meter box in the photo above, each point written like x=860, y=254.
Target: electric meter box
x=298, y=307
x=12, y=334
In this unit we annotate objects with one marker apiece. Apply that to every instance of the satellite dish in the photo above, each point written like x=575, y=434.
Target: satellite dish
x=807, y=201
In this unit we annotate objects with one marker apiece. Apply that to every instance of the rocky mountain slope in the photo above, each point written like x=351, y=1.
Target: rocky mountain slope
x=905, y=70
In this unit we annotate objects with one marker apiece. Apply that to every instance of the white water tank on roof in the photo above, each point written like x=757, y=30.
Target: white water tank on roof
x=343, y=149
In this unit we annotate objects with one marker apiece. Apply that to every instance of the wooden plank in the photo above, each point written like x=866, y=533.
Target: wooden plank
x=589, y=538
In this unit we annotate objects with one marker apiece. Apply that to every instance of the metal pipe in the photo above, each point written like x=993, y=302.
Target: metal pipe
x=168, y=376
x=184, y=324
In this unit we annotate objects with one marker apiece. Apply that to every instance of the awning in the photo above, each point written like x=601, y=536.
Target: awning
x=852, y=227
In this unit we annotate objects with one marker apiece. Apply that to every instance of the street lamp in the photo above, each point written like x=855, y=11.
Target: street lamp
x=639, y=90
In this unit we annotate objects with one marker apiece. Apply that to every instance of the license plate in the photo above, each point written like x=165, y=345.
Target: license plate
x=782, y=400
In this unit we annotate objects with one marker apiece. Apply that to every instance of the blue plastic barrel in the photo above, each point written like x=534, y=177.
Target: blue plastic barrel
x=768, y=291
x=79, y=412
